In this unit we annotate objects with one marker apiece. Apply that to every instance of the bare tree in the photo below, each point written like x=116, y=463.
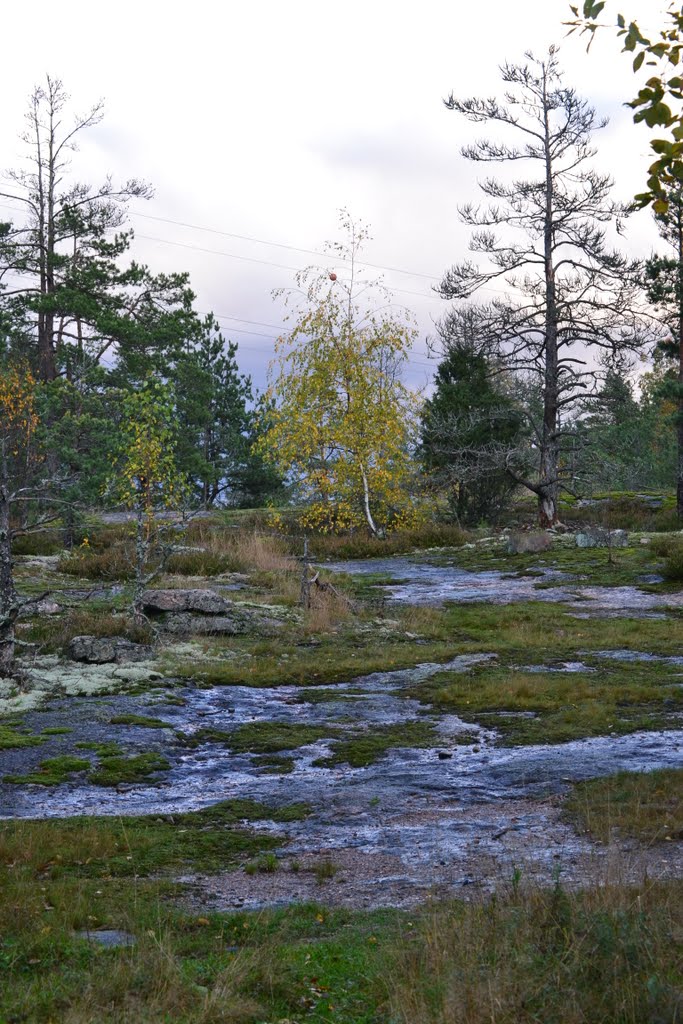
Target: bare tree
x=60, y=217
x=566, y=291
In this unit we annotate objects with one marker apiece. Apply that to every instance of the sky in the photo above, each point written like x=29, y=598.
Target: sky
x=256, y=122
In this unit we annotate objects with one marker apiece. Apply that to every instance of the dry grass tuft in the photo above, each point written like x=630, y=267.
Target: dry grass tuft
x=544, y=955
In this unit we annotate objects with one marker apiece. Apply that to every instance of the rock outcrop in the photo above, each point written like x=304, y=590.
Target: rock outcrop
x=102, y=650
x=204, y=613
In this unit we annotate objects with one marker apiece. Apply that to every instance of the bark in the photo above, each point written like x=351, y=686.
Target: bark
x=679, y=424
x=366, y=503
x=8, y=595
x=141, y=555
x=550, y=454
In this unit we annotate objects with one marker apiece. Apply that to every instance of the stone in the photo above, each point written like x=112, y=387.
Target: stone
x=185, y=624
x=601, y=537
x=111, y=938
x=528, y=543
x=102, y=650
x=238, y=622
x=206, y=602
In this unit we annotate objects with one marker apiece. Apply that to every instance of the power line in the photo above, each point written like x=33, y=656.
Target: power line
x=283, y=245
x=280, y=245
x=253, y=259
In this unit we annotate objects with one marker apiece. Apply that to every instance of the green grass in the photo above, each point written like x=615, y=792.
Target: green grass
x=207, y=840
x=103, y=749
x=644, y=805
x=52, y=771
x=366, y=747
x=606, y=955
x=262, y=737
x=141, y=720
x=266, y=864
x=615, y=698
x=56, y=730
x=11, y=738
x=115, y=769
x=591, y=566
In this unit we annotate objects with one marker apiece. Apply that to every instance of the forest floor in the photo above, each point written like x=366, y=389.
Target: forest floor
x=292, y=821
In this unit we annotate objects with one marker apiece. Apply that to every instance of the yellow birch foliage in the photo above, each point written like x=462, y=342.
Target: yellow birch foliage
x=18, y=417
x=342, y=420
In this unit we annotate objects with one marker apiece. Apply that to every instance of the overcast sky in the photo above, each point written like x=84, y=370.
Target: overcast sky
x=262, y=119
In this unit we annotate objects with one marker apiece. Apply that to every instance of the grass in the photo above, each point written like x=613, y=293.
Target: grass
x=325, y=870
x=625, y=511
x=141, y=720
x=262, y=737
x=115, y=769
x=52, y=771
x=361, y=545
x=266, y=864
x=120, y=847
x=647, y=806
x=608, y=955
x=588, y=566
x=615, y=698
x=368, y=746
x=11, y=738
x=54, y=633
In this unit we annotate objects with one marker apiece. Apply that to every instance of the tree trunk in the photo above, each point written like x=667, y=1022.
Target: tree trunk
x=550, y=454
x=141, y=552
x=679, y=423
x=366, y=504
x=8, y=595
x=679, y=430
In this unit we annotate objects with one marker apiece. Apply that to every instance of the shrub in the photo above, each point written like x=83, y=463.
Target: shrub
x=673, y=565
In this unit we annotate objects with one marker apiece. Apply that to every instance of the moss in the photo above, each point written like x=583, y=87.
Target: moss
x=51, y=772
x=116, y=769
x=272, y=764
x=645, y=805
x=262, y=737
x=56, y=730
x=11, y=738
x=104, y=749
x=366, y=747
x=141, y=720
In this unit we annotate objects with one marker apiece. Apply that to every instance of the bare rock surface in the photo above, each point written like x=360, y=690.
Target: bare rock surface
x=206, y=602
x=98, y=650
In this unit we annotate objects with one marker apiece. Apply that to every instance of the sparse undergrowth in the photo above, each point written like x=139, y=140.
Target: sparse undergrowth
x=644, y=805
x=609, y=955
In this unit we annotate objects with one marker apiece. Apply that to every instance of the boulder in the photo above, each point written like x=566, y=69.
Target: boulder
x=206, y=602
x=238, y=622
x=601, y=537
x=101, y=650
x=528, y=543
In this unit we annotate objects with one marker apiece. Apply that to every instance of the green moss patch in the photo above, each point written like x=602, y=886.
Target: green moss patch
x=142, y=720
x=364, y=748
x=51, y=772
x=11, y=738
x=116, y=769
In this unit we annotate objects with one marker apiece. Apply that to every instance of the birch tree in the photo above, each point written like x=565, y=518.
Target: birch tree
x=342, y=419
